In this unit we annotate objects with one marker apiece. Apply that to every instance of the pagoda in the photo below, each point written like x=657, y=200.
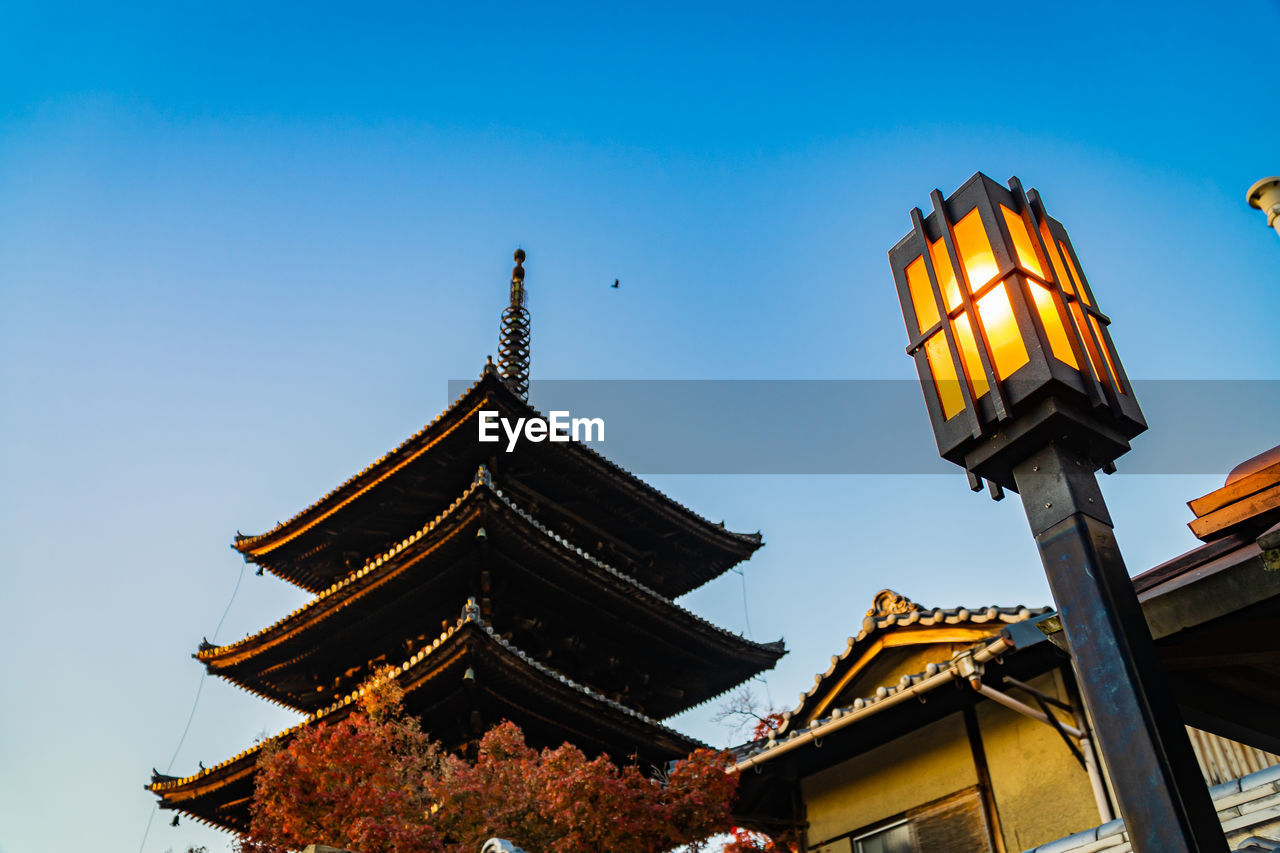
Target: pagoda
x=536, y=586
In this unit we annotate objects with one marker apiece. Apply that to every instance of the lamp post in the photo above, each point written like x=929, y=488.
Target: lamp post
x=1025, y=390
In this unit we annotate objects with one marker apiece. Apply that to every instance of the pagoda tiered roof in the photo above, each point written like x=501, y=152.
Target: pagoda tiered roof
x=569, y=566
x=570, y=488
x=465, y=680
x=586, y=618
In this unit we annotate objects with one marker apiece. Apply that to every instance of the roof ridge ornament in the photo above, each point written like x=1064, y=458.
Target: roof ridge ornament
x=471, y=611
x=889, y=603
x=513, y=342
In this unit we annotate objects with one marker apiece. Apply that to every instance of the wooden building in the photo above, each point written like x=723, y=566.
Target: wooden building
x=940, y=730
x=536, y=585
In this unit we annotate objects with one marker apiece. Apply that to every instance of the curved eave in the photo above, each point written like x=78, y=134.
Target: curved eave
x=192, y=794
x=211, y=796
x=338, y=595
x=915, y=685
x=929, y=626
x=256, y=548
x=392, y=565
x=752, y=657
x=618, y=716
x=488, y=390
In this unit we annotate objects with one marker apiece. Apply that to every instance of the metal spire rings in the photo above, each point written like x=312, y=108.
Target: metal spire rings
x=513, y=344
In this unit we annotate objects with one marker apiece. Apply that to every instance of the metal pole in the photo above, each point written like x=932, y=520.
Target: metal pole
x=1158, y=787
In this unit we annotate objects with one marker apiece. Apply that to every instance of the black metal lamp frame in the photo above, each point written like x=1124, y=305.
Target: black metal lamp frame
x=1046, y=396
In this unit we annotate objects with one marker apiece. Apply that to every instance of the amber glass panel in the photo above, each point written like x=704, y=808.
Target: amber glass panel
x=1084, y=293
x=946, y=275
x=1027, y=258
x=921, y=294
x=944, y=375
x=969, y=352
x=975, y=250
x=1008, y=353
x=1059, y=342
x=1077, y=317
x=1106, y=352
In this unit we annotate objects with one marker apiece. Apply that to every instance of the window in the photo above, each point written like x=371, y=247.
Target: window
x=890, y=839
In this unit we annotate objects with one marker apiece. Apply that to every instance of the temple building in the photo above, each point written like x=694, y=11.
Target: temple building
x=536, y=586
x=954, y=729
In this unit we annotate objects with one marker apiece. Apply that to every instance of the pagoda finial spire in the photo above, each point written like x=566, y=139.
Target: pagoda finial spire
x=513, y=343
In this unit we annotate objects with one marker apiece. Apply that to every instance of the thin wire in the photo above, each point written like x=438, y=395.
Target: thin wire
x=746, y=617
x=187, y=728
x=194, y=704
x=200, y=686
x=147, y=831
x=768, y=697
x=230, y=602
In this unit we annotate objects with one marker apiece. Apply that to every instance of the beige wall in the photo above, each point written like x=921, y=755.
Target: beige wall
x=1041, y=791
x=915, y=769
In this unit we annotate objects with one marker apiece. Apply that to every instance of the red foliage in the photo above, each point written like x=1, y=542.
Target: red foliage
x=376, y=784
x=356, y=783
x=769, y=723
x=558, y=801
x=747, y=841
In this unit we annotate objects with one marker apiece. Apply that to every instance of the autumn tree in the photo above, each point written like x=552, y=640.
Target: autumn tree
x=356, y=783
x=558, y=801
x=375, y=783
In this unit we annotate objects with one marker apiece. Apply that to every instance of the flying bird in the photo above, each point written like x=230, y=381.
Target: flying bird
x=615, y=283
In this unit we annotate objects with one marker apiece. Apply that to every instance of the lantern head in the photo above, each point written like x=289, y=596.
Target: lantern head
x=1011, y=346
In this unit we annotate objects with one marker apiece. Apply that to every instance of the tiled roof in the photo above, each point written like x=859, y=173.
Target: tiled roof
x=623, y=577
x=1247, y=504
x=890, y=611
x=934, y=675
x=342, y=588
x=244, y=543
x=342, y=592
x=568, y=682
x=470, y=620
x=393, y=459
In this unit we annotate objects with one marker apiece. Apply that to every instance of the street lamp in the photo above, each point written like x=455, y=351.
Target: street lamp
x=1025, y=389
x=1008, y=338
x=1265, y=196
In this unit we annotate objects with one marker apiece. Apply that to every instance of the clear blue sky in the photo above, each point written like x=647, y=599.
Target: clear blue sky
x=244, y=247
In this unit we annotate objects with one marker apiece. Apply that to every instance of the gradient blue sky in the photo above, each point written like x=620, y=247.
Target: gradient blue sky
x=242, y=249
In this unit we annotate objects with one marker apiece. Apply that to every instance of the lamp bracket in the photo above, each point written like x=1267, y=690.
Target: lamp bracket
x=1049, y=419
x=1055, y=483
